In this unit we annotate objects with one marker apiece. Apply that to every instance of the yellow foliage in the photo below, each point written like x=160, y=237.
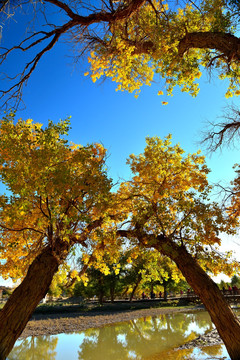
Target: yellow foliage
x=135, y=49
x=57, y=190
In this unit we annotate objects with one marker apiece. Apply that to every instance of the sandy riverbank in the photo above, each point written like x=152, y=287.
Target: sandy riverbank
x=51, y=324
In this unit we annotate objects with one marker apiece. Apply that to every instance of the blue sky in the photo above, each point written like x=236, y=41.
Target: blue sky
x=58, y=89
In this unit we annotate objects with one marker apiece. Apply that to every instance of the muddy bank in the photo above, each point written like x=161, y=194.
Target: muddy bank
x=51, y=324
x=209, y=339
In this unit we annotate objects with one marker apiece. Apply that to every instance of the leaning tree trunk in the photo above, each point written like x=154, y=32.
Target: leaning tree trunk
x=135, y=287
x=226, y=322
x=23, y=301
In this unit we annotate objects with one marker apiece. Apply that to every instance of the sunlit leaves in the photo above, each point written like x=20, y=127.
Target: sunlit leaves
x=56, y=190
x=169, y=196
x=147, y=43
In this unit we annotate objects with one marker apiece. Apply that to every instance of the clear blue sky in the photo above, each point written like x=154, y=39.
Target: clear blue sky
x=58, y=89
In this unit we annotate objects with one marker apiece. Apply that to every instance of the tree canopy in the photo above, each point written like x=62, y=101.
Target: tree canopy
x=56, y=191
x=132, y=42
x=168, y=198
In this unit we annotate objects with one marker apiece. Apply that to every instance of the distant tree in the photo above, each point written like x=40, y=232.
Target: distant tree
x=59, y=282
x=235, y=281
x=223, y=285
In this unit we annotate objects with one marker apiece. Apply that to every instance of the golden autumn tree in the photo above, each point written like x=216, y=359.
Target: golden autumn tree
x=175, y=42
x=56, y=197
x=166, y=207
x=131, y=41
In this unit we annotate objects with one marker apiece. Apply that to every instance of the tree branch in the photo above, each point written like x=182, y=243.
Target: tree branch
x=226, y=44
x=21, y=229
x=78, y=22
x=224, y=132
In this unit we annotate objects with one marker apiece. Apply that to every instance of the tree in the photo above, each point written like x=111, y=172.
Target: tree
x=100, y=284
x=59, y=281
x=148, y=268
x=235, y=281
x=167, y=208
x=57, y=195
x=133, y=40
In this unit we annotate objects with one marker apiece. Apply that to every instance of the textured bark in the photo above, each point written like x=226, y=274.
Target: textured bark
x=226, y=322
x=226, y=44
x=21, y=304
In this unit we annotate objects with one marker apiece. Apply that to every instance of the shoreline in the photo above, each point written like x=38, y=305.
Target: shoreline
x=52, y=324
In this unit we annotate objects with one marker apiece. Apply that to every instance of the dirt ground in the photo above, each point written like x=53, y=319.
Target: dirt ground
x=51, y=324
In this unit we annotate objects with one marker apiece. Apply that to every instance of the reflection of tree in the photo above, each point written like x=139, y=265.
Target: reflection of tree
x=142, y=337
x=102, y=344
x=213, y=350
x=203, y=320
x=172, y=355
x=40, y=347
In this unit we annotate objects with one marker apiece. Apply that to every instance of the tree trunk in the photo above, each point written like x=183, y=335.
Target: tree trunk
x=112, y=293
x=23, y=301
x=226, y=322
x=165, y=290
x=125, y=292
x=101, y=289
x=135, y=287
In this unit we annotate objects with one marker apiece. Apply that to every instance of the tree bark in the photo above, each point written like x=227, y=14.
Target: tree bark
x=23, y=301
x=226, y=322
x=227, y=44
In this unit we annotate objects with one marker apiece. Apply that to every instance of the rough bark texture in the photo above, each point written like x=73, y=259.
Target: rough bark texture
x=226, y=44
x=226, y=322
x=21, y=304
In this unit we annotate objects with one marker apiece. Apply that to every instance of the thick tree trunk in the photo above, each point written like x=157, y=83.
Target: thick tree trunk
x=21, y=304
x=226, y=322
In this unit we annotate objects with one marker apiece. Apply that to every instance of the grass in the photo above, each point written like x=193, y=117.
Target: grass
x=89, y=307
x=118, y=306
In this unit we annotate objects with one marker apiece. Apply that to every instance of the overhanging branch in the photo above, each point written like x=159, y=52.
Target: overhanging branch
x=225, y=43
x=81, y=24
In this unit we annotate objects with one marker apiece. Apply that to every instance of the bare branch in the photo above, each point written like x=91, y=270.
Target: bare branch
x=20, y=229
x=78, y=23
x=225, y=132
x=16, y=89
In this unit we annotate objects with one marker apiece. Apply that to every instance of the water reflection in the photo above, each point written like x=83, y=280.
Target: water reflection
x=35, y=347
x=147, y=338
x=142, y=338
